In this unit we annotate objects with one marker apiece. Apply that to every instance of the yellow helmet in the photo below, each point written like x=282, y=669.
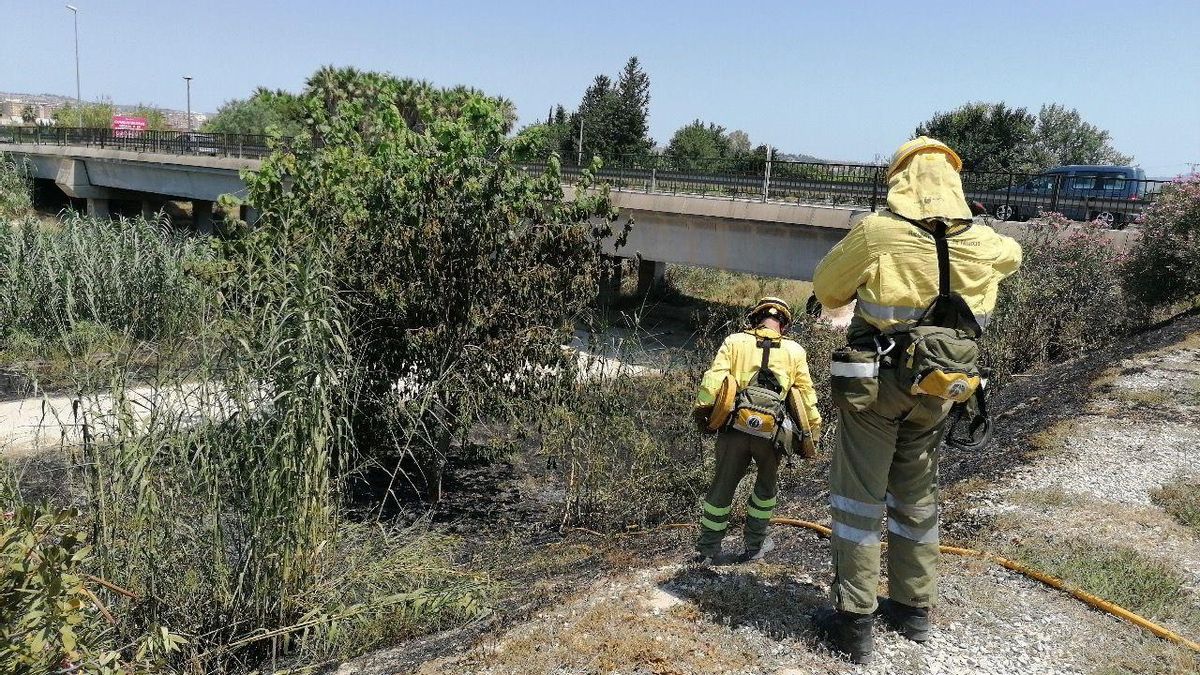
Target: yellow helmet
x=921, y=144
x=772, y=307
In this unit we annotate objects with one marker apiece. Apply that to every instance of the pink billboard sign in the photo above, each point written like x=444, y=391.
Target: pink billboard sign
x=127, y=123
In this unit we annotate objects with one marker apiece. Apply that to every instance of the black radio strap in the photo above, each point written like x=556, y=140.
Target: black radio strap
x=943, y=258
x=765, y=376
x=947, y=301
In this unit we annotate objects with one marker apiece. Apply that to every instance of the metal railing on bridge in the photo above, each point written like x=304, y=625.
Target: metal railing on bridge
x=1098, y=194
x=247, y=146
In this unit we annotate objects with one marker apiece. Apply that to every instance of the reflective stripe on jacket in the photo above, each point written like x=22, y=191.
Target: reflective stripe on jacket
x=890, y=266
x=740, y=355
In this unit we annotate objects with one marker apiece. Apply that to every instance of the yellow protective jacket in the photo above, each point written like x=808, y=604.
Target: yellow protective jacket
x=740, y=356
x=889, y=264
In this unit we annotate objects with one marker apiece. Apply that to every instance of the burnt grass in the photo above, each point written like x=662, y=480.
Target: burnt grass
x=507, y=511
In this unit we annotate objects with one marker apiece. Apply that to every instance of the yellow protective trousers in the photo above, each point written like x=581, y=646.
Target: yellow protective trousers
x=885, y=463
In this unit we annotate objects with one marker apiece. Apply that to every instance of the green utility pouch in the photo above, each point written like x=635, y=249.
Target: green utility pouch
x=758, y=412
x=941, y=362
x=758, y=409
x=854, y=378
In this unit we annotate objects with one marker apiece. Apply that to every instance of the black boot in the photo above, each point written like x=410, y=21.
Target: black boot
x=911, y=622
x=848, y=632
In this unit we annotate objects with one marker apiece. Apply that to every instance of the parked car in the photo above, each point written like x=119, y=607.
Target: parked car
x=197, y=143
x=1111, y=194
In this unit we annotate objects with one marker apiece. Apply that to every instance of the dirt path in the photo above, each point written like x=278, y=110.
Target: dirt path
x=56, y=422
x=1078, y=468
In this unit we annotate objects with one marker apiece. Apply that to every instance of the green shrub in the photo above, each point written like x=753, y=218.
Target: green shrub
x=1164, y=266
x=49, y=619
x=1065, y=299
x=461, y=269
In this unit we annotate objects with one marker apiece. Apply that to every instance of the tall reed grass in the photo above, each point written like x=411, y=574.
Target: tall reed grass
x=211, y=486
x=131, y=276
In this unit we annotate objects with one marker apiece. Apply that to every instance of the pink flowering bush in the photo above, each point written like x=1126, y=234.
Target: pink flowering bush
x=1163, y=269
x=1065, y=299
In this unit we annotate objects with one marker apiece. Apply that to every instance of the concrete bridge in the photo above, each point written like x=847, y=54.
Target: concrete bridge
x=769, y=238
x=757, y=235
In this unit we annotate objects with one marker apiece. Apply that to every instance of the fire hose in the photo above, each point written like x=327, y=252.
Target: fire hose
x=1054, y=582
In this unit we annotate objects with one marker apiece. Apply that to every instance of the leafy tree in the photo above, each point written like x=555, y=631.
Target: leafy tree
x=987, y=136
x=615, y=117
x=696, y=144
x=156, y=119
x=1063, y=137
x=462, y=273
x=96, y=115
x=265, y=109
x=28, y=114
x=739, y=143
x=995, y=137
x=633, y=115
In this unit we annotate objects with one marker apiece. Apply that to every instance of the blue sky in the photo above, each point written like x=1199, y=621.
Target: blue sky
x=837, y=80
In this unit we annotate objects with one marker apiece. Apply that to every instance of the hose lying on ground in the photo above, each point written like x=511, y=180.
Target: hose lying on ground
x=1054, y=582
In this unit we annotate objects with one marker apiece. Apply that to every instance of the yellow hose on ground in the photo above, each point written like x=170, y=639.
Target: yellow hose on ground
x=1053, y=582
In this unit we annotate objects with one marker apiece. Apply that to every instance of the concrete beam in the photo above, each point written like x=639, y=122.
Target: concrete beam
x=755, y=247
x=72, y=178
x=179, y=176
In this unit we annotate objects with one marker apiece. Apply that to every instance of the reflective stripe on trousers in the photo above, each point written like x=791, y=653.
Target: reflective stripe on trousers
x=715, y=518
x=855, y=521
x=761, y=508
x=915, y=522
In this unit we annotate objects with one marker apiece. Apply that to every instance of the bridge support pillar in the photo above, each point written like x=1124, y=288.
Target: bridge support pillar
x=148, y=210
x=651, y=274
x=202, y=216
x=97, y=207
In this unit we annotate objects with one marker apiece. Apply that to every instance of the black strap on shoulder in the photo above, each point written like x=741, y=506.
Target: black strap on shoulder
x=943, y=258
x=948, y=309
x=766, y=377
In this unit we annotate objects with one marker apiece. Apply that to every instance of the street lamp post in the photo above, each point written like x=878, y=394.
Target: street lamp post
x=188, y=78
x=78, y=97
x=579, y=159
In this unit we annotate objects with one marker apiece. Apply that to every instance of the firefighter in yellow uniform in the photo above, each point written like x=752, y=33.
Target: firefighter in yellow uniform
x=789, y=391
x=897, y=263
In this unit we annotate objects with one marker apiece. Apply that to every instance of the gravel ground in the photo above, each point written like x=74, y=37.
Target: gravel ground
x=1116, y=460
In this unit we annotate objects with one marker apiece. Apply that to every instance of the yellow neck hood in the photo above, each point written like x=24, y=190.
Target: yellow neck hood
x=928, y=186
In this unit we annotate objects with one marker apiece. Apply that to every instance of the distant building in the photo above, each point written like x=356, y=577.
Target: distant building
x=12, y=111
